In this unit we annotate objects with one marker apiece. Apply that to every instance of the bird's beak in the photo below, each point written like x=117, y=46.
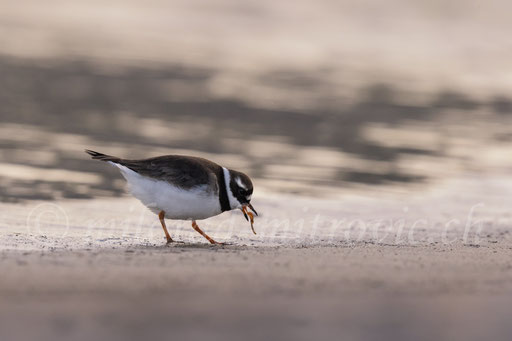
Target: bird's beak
x=248, y=215
x=245, y=214
x=252, y=208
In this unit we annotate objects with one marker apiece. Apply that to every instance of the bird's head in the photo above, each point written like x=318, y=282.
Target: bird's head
x=240, y=190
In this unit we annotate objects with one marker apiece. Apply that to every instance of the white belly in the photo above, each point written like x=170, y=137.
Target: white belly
x=177, y=203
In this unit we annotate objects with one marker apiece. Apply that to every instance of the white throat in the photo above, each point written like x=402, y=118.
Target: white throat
x=233, y=202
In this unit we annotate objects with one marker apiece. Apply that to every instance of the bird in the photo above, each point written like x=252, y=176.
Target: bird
x=184, y=187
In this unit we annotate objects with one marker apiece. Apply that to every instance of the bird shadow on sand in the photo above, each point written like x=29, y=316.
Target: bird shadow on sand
x=187, y=246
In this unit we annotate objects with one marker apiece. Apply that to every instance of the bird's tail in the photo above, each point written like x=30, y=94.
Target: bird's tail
x=102, y=157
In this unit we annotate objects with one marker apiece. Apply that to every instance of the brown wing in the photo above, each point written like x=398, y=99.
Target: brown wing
x=182, y=171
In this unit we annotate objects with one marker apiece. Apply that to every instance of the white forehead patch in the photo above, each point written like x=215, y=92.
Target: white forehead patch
x=239, y=183
x=248, y=197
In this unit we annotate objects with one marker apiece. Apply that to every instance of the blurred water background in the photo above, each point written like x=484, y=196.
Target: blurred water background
x=308, y=97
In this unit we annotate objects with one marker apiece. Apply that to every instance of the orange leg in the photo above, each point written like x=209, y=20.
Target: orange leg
x=161, y=216
x=196, y=227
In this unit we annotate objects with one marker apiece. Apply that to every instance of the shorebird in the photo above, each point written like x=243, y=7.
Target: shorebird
x=185, y=188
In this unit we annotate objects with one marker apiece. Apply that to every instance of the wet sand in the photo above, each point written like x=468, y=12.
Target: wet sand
x=364, y=94
x=356, y=292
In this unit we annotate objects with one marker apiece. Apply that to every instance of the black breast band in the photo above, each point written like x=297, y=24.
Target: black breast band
x=223, y=194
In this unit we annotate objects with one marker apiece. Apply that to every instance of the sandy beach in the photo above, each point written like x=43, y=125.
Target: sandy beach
x=355, y=292
x=377, y=135
x=435, y=266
